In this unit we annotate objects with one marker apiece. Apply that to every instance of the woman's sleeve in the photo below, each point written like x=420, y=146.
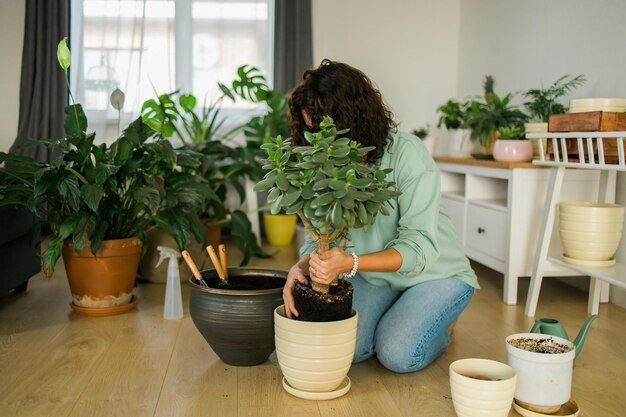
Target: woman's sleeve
x=308, y=247
x=418, y=207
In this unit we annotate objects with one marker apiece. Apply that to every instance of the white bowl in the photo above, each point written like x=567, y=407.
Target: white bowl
x=575, y=226
x=481, y=388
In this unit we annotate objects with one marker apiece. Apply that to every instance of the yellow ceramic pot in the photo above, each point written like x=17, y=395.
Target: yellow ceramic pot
x=279, y=228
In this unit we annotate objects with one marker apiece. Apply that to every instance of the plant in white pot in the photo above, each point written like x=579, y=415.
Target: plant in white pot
x=453, y=117
x=327, y=184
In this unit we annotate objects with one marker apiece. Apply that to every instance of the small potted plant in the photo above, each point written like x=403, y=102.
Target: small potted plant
x=486, y=118
x=542, y=102
x=327, y=184
x=453, y=117
x=512, y=146
x=99, y=200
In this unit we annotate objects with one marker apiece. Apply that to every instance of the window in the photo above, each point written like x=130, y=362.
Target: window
x=143, y=46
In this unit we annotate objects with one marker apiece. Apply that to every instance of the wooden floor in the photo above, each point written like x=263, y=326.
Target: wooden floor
x=55, y=363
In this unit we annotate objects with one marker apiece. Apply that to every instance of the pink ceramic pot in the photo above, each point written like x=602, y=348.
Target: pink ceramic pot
x=513, y=150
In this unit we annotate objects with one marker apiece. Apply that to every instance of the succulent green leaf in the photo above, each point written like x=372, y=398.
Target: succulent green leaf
x=323, y=200
x=264, y=185
x=281, y=181
x=290, y=197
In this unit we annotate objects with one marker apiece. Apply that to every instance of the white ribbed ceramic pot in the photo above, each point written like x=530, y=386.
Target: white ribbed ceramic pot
x=314, y=356
x=481, y=388
x=544, y=380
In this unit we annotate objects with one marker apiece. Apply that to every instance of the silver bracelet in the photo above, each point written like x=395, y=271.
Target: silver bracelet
x=355, y=267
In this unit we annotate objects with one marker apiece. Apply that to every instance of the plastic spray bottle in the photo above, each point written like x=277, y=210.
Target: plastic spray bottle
x=173, y=308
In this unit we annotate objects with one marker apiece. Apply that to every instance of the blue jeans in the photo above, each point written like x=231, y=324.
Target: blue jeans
x=407, y=329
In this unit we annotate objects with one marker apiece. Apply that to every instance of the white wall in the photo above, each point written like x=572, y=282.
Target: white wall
x=409, y=49
x=11, y=41
x=526, y=43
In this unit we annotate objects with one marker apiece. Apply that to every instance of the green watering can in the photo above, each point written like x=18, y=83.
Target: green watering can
x=553, y=327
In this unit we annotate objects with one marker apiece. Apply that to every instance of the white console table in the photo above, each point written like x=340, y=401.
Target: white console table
x=497, y=209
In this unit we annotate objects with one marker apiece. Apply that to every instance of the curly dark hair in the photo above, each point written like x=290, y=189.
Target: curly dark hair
x=349, y=97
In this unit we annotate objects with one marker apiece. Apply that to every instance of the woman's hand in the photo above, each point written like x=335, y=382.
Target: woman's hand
x=295, y=273
x=324, y=268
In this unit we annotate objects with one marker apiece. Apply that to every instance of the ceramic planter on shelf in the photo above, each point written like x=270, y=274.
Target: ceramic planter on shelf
x=237, y=321
x=459, y=144
x=103, y=284
x=513, y=150
x=544, y=377
x=590, y=232
x=315, y=357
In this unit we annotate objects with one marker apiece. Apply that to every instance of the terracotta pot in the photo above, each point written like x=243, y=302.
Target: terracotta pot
x=104, y=280
x=237, y=324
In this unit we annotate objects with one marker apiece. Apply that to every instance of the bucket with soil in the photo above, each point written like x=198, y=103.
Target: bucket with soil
x=544, y=366
x=237, y=319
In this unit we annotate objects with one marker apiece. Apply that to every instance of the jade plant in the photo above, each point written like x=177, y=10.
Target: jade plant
x=327, y=183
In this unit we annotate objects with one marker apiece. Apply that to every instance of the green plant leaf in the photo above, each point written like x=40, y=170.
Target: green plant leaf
x=149, y=197
x=92, y=194
x=84, y=229
x=75, y=124
x=70, y=191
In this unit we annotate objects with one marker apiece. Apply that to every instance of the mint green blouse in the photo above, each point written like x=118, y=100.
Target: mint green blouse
x=417, y=225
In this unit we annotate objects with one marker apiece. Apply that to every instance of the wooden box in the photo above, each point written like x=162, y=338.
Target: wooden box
x=595, y=121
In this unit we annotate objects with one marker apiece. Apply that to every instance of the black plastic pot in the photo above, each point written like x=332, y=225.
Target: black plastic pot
x=237, y=324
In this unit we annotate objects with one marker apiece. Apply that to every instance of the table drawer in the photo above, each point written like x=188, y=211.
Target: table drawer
x=486, y=231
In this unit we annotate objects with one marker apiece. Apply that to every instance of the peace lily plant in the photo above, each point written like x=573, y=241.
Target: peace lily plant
x=326, y=183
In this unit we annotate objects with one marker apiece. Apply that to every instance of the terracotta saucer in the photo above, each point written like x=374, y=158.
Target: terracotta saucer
x=589, y=264
x=311, y=395
x=569, y=409
x=105, y=311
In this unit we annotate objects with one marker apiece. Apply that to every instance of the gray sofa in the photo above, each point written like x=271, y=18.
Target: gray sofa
x=19, y=259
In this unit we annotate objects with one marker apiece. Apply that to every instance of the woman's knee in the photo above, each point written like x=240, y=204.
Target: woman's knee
x=404, y=359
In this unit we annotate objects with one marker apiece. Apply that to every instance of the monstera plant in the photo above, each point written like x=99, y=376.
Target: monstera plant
x=328, y=184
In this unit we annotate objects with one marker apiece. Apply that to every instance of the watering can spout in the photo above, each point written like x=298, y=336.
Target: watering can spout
x=554, y=327
x=580, y=339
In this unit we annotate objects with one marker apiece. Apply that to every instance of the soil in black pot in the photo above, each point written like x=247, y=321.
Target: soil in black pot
x=314, y=306
x=246, y=283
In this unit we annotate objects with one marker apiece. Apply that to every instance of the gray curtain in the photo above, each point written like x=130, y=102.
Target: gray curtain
x=43, y=93
x=293, y=42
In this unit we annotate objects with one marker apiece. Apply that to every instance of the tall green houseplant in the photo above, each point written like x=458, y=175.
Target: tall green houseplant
x=542, y=102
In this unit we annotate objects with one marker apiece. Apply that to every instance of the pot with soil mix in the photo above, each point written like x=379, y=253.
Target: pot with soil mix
x=332, y=189
x=236, y=319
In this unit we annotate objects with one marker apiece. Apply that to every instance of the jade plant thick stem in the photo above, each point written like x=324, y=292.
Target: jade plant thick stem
x=327, y=183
